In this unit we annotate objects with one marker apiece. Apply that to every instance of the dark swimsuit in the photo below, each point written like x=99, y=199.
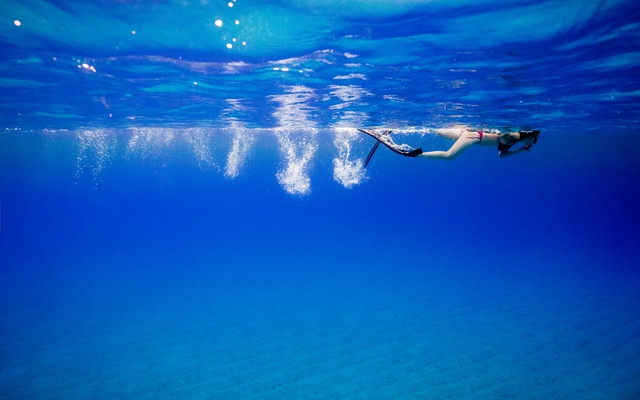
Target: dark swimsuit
x=504, y=147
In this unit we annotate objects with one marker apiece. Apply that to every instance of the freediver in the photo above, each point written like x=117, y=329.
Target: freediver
x=464, y=138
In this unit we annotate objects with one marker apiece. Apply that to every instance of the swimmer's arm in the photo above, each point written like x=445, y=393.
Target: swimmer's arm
x=526, y=147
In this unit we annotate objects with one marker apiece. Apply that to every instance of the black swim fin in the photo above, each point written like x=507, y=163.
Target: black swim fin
x=375, y=135
x=395, y=149
x=375, y=146
x=373, y=150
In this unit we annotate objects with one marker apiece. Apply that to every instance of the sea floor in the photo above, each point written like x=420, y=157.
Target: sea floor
x=332, y=331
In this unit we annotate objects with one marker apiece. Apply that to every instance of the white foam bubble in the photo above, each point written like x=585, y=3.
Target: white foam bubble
x=147, y=142
x=347, y=172
x=293, y=114
x=97, y=148
x=240, y=146
x=200, y=142
x=294, y=178
x=243, y=138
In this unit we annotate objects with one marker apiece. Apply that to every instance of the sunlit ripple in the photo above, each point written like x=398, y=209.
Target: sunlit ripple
x=351, y=76
x=349, y=94
x=293, y=111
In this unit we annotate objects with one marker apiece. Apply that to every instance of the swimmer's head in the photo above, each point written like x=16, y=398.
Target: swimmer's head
x=531, y=135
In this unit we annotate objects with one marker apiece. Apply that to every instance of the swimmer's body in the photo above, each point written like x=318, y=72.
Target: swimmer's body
x=464, y=138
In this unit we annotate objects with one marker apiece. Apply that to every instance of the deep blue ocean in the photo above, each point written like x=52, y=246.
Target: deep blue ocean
x=184, y=211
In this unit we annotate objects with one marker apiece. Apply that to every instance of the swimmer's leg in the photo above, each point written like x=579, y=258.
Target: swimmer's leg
x=466, y=140
x=451, y=133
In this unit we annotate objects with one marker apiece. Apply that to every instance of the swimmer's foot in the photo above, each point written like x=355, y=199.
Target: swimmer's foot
x=385, y=138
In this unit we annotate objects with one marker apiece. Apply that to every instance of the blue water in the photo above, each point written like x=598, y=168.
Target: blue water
x=184, y=211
